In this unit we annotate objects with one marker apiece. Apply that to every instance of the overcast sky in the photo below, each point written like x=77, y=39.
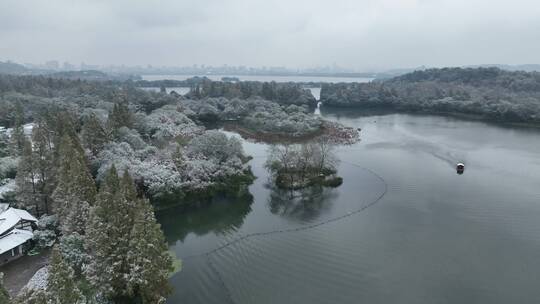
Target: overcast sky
x=361, y=34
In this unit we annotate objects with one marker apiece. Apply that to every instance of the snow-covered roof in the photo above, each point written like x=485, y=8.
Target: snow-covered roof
x=12, y=216
x=13, y=239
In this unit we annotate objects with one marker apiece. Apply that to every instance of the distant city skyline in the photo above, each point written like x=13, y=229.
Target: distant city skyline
x=65, y=65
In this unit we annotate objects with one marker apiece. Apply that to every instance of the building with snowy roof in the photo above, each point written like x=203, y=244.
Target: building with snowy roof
x=16, y=231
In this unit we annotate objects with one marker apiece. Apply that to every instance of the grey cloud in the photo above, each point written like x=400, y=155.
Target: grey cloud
x=361, y=34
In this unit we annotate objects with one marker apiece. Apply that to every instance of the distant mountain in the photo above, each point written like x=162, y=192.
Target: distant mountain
x=13, y=68
x=508, y=67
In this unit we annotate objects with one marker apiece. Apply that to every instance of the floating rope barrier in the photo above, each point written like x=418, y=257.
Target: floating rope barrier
x=301, y=228
x=220, y=278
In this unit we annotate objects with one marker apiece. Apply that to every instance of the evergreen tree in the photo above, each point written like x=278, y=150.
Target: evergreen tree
x=27, y=180
x=4, y=145
x=17, y=135
x=150, y=263
x=43, y=159
x=120, y=116
x=130, y=263
x=61, y=286
x=60, y=123
x=75, y=191
x=108, y=240
x=94, y=135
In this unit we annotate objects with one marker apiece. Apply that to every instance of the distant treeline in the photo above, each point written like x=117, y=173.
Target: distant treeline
x=202, y=87
x=36, y=94
x=491, y=93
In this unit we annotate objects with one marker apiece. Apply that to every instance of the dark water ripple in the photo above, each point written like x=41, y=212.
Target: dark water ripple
x=437, y=238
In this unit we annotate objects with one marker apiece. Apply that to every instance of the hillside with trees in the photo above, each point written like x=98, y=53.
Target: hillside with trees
x=488, y=93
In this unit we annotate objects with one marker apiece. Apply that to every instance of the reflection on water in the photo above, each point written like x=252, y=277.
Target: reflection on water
x=435, y=237
x=305, y=204
x=219, y=216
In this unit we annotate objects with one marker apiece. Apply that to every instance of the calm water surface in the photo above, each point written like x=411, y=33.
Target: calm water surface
x=433, y=237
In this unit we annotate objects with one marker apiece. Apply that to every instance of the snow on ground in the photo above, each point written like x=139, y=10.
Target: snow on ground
x=27, y=129
x=39, y=280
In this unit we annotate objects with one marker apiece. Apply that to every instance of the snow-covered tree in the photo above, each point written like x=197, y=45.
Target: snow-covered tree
x=17, y=134
x=167, y=123
x=216, y=145
x=27, y=180
x=8, y=167
x=148, y=259
x=120, y=116
x=47, y=231
x=129, y=259
x=107, y=239
x=43, y=159
x=74, y=252
x=76, y=191
x=61, y=284
x=94, y=134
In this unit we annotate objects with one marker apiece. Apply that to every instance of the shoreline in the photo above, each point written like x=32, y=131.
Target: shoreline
x=373, y=111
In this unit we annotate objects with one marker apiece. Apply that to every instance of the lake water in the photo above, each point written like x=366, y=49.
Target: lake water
x=403, y=227
x=179, y=90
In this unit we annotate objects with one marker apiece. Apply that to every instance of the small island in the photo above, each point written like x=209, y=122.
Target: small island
x=298, y=166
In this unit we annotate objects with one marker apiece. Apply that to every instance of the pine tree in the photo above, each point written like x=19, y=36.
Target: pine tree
x=27, y=180
x=61, y=287
x=75, y=191
x=150, y=263
x=94, y=135
x=108, y=239
x=129, y=261
x=59, y=123
x=43, y=159
x=17, y=135
x=4, y=145
x=120, y=116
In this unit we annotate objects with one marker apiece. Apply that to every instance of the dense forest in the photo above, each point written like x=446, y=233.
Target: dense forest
x=489, y=93
x=202, y=87
x=93, y=159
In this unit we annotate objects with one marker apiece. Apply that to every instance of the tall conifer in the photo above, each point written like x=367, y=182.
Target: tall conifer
x=27, y=180
x=75, y=191
x=130, y=263
x=61, y=286
x=94, y=135
x=17, y=135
